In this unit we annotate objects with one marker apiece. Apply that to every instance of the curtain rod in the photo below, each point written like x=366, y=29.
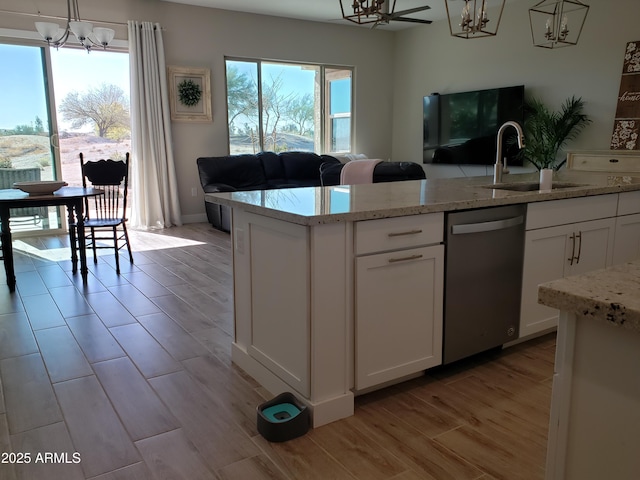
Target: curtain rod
x=57, y=17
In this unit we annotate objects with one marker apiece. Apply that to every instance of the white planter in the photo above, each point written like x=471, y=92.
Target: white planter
x=546, y=175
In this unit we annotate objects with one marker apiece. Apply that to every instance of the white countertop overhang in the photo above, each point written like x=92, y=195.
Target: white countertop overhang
x=611, y=295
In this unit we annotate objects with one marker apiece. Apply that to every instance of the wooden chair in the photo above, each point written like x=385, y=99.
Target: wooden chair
x=106, y=213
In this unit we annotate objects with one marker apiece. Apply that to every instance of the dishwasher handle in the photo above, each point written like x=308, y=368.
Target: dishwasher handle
x=487, y=226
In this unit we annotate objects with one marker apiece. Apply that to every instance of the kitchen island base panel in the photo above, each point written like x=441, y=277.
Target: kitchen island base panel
x=322, y=411
x=595, y=407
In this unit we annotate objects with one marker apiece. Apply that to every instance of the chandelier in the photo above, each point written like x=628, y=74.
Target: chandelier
x=557, y=23
x=377, y=12
x=364, y=11
x=88, y=35
x=473, y=20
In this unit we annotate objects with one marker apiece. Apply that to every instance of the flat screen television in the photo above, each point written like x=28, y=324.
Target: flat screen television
x=461, y=128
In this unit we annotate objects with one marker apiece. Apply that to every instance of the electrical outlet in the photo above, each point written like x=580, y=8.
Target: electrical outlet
x=239, y=240
x=194, y=192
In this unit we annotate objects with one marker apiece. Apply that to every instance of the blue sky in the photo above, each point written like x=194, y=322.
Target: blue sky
x=22, y=95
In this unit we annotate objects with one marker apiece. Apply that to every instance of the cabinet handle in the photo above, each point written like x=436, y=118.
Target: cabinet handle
x=400, y=234
x=573, y=248
x=404, y=259
x=579, y=237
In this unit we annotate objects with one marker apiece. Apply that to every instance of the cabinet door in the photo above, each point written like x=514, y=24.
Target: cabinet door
x=545, y=255
x=627, y=239
x=593, y=246
x=398, y=314
x=556, y=252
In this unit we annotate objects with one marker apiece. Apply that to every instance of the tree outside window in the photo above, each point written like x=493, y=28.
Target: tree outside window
x=278, y=107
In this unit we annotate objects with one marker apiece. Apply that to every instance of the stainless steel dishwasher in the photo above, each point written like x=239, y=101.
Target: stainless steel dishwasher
x=483, y=279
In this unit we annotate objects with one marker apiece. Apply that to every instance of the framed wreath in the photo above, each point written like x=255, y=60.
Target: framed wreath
x=189, y=94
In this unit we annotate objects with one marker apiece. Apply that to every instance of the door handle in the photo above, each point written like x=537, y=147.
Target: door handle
x=465, y=228
x=404, y=259
x=400, y=234
x=579, y=238
x=573, y=248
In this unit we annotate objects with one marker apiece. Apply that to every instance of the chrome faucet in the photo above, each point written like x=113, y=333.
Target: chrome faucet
x=499, y=167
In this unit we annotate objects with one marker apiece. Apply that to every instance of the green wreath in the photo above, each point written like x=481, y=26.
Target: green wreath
x=189, y=93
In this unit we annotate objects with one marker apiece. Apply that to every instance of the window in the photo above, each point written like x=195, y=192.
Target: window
x=274, y=106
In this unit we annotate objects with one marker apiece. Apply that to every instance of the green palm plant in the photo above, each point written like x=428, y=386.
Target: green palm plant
x=546, y=132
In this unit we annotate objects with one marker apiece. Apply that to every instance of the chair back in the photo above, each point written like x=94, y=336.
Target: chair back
x=111, y=176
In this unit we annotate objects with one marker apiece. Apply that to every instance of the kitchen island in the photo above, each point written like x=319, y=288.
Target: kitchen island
x=594, y=428
x=339, y=290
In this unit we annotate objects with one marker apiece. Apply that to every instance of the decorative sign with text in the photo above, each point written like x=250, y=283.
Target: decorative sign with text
x=626, y=126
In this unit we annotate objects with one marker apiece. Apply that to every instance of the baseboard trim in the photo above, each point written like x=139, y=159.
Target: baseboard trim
x=195, y=218
x=322, y=412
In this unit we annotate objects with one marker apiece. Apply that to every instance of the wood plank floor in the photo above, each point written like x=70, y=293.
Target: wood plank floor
x=131, y=375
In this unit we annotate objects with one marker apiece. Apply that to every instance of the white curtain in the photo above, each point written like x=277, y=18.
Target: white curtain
x=154, y=188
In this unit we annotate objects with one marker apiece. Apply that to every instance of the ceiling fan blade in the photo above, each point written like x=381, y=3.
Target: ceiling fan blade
x=412, y=20
x=410, y=10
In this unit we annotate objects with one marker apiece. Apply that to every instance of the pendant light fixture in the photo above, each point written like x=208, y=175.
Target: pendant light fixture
x=471, y=18
x=380, y=12
x=557, y=23
x=88, y=35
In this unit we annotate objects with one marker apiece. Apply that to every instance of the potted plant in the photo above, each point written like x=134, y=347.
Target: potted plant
x=546, y=132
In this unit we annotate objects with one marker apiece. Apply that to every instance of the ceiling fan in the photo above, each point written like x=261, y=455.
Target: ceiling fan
x=377, y=12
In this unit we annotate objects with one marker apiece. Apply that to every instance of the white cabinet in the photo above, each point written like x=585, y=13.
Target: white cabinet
x=277, y=297
x=398, y=314
x=627, y=239
x=609, y=161
x=398, y=299
x=558, y=251
x=595, y=404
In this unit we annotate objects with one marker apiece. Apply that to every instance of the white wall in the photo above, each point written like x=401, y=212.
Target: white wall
x=202, y=37
x=428, y=59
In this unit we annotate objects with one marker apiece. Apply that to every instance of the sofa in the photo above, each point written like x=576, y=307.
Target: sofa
x=269, y=170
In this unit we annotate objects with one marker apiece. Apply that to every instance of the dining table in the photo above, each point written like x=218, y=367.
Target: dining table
x=71, y=197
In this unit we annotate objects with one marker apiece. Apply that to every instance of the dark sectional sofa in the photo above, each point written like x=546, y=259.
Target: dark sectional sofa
x=268, y=170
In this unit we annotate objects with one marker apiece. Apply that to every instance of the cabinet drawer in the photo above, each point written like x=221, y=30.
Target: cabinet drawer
x=604, y=161
x=571, y=210
x=397, y=233
x=629, y=203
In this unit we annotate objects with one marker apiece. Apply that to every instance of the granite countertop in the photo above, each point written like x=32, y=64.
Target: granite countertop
x=318, y=205
x=611, y=295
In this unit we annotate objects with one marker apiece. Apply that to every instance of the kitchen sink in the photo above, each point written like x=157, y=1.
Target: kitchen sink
x=530, y=187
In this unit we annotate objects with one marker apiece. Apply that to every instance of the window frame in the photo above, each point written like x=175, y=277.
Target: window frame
x=322, y=140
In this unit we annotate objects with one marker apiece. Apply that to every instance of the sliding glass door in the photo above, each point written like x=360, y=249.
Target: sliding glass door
x=27, y=129
x=41, y=137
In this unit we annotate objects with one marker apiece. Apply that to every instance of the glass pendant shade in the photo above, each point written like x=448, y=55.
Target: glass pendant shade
x=81, y=29
x=48, y=30
x=103, y=35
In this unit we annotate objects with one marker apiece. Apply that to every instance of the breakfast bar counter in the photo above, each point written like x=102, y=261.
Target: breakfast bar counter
x=319, y=205
x=339, y=290
x=594, y=429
